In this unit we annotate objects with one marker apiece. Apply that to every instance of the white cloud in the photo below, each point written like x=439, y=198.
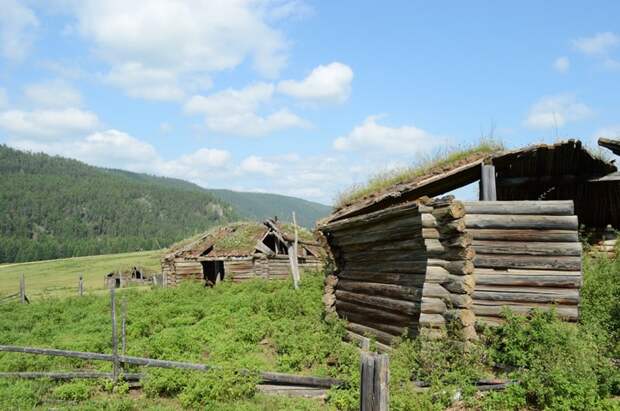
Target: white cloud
x=234, y=112
x=17, y=25
x=612, y=131
x=599, y=44
x=256, y=164
x=556, y=111
x=329, y=83
x=55, y=93
x=147, y=83
x=561, y=64
x=373, y=136
x=183, y=38
x=48, y=124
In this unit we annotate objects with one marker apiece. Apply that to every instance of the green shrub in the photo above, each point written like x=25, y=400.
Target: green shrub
x=78, y=390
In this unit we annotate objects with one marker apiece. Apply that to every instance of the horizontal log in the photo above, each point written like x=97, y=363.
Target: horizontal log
x=373, y=314
x=399, y=306
x=410, y=220
x=537, y=222
x=438, y=291
x=418, y=254
x=435, y=249
x=527, y=248
x=361, y=341
x=381, y=336
x=522, y=271
x=432, y=320
x=404, y=244
x=69, y=375
x=569, y=313
x=410, y=280
x=380, y=215
x=520, y=207
x=433, y=305
x=363, y=238
x=524, y=235
x=569, y=297
x=450, y=211
x=453, y=267
x=395, y=330
x=568, y=263
x=413, y=294
x=269, y=377
x=529, y=280
x=402, y=267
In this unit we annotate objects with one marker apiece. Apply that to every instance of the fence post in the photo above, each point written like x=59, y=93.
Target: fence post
x=114, y=334
x=124, y=326
x=81, y=286
x=374, y=386
x=22, y=289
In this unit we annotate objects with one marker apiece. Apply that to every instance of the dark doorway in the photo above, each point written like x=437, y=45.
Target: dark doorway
x=211, y=270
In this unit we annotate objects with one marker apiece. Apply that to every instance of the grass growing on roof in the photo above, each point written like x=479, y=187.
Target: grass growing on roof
x=423, y=166
x=239, y=236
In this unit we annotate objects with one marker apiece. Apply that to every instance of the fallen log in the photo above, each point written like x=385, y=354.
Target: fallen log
x=564, y=208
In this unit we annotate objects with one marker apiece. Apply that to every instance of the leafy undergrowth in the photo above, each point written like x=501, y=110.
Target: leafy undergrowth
x=257, y=325
x=268, y=326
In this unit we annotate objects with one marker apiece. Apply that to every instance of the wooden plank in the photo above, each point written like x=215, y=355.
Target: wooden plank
x=342, y=307
x=528, y=248
x=398, y=306
x=488, y=192
x=537, y=222
x=568, y=263
x=570, y=296
x=381, y=384
x=524, y=235
x=381, y=336
x=560, y=207
x=405, y=293
x=529, y=280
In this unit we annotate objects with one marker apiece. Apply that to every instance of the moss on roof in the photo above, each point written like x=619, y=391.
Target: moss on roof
x=303, y=233
x=422, y=168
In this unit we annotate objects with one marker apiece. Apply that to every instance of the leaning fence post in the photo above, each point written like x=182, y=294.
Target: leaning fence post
x=22, y=289
x=124, y=326
x=81, y=286
x=114, y=334
x=374, y=385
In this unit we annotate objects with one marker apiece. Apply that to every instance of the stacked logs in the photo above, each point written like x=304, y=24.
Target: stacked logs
x=380, y=265
x=607, y=246
x=449, y=284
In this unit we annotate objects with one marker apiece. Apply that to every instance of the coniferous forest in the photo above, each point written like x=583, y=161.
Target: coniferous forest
x=52, y=207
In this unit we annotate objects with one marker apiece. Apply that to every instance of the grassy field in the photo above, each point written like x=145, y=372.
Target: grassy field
x=60, y=277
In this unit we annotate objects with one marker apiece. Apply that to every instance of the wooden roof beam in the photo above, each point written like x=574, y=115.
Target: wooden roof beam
x=613, y=145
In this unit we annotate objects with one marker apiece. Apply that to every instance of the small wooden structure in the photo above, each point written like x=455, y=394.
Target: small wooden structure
x=406, y=264
x=241, y=251
x=125, y=278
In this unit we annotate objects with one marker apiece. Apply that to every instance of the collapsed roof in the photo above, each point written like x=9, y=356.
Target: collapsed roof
x=561, y=171
x=245, y=239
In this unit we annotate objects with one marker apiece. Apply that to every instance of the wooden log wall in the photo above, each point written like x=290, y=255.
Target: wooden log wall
x=380, y=266
x=528, y=255
x=450, y=282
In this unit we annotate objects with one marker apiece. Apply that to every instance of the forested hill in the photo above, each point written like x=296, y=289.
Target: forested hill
x=53, y=207
x=258, y=206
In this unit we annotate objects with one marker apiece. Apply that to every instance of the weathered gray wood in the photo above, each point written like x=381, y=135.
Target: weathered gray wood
x=435, y=249
x=410, y=280
x=294, y=268
x=296, y=250
x=367, y=380
x=528, y=248
x=520, y=207
x=397, y=267
x=453, y=267
x=116, y=365
x=124, y=326
x=362, y=319
x=570, y=296
x=388, y=290
x=360, y=329
x=488, y=192
x=537, y=222
x=268, y=377
x=566, y=312
x=399, y=306
x=524, y=235
x=613, y=145
x=343, y=307
x=361, y=340
x=564, y=281
x=375, y=216
x=568, y=263
x=81, y=286
x=69, y=375
x=381, y=384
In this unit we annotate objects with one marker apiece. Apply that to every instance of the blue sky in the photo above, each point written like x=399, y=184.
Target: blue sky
x=300, y=98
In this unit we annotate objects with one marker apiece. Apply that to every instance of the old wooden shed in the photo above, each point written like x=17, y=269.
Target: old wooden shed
x=407, y=264
x=240, y=251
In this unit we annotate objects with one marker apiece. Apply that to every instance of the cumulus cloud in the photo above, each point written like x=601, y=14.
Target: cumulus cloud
x=55, y=93
x=256, y=164
x=184, y=38
x=373, y=136
x=144, y=82
x=556, y=111
x=326, y=83
x=48, y=124
x=235, y=112
x=561, y=64
x=17, y=25
x=600, y=43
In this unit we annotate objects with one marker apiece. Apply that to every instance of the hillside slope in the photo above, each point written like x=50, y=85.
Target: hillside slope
x=259, y=206
x=52, y=207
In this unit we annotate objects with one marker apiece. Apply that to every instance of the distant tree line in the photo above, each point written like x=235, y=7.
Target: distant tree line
x=52, y=207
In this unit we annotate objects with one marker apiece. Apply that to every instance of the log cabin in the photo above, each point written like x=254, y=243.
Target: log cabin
x=406, y=264
x=241, y=251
